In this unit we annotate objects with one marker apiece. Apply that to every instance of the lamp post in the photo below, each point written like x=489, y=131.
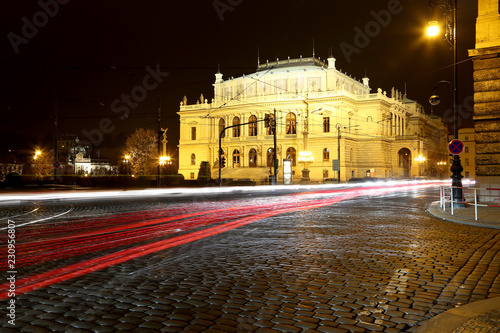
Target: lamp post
x=420, y=159
x=450, y=10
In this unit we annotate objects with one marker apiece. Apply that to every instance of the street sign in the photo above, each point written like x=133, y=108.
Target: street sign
x=56, y=164
x=456, y=147
x=335, y=165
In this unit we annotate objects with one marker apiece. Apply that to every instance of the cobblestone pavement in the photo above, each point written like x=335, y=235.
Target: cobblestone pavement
x=368, y=264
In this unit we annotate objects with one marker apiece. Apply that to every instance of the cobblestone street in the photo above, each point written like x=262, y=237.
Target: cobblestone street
x=368, y=264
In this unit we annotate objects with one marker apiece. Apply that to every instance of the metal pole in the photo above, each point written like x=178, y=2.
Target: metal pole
x=159, y=146
x=456, y=167
x=338, y=152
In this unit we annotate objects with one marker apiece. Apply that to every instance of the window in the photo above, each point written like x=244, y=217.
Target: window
x=193, y=133
x=236, y=130
x=222, y=125
x=252, y=158
x=466, y=151
x=326, y=155
x=236, y=158
x=193, y=159
x=269, y=128
x=291, y=123
x=291, y=154
x=326, y=124
x=467, y=174
x=252, y=127
x=466, y=137
x=270, y=158
x=192, y=175
x=466, y=162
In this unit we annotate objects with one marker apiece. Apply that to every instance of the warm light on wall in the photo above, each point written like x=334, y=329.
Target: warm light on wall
x=305, y=156
x=420, y=158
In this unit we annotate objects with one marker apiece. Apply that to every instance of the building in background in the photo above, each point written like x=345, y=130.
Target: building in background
x=320, y=111
x=486, y=57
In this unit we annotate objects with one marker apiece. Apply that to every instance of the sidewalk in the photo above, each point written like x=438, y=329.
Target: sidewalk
x=488, y=217
x=481, y=316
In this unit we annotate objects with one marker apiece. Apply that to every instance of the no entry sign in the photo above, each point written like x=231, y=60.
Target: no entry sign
x=456, y=147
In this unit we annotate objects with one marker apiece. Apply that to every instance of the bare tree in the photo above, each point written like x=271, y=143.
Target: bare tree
x=142, y=147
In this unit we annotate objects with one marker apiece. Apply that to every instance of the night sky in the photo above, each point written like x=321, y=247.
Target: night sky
x=82, y=57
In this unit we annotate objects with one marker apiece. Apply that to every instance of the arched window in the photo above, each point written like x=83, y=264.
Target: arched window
x=222, y=125
x=236, y=130
x=291, y=154
x=236, y=158
x=326, y=155
x=270, y=158
x=291, y=123
x=252, y=127
x=252, y=158
x=193, y=159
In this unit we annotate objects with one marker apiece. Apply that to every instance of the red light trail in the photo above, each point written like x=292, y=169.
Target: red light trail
x=129, y=229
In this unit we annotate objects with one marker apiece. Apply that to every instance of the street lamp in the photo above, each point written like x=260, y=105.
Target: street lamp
x=306, y=158
x=450, y=10
x=37, y=153
x=420, y=159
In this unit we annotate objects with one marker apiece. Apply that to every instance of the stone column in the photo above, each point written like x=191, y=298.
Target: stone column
x=486, y=57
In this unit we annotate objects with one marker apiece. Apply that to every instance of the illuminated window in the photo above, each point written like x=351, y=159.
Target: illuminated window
x=291, y=123
x=252, y=127
x=236, y=158
x=252, y=158
x=291, y=154
x=326, y=155
x=222, y=125
x=270, y=158
x=326, y=124
x=236, y=130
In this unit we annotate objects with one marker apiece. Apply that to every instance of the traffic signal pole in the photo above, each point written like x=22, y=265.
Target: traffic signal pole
x=220, y=145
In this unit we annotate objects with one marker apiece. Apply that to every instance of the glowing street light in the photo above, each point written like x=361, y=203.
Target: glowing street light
x=450, y=11
x=433, y=29
x=37, y=153
x=305, y=157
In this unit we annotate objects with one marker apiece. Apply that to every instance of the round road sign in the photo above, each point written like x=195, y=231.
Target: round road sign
x=56, y=164
x=456, y=147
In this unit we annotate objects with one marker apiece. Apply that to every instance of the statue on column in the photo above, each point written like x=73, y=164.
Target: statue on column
x=164, y=140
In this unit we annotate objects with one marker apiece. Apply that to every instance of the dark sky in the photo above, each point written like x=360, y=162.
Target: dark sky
x=81, y=57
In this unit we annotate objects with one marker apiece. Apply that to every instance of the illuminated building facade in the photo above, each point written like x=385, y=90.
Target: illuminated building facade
x=319, y=109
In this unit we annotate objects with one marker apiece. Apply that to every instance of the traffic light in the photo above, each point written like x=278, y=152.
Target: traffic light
x=223, y=162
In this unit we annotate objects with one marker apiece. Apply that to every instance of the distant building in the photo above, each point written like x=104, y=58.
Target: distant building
x=75, y=154
x=10, y=163
x=486, y=57
x=319, y=109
